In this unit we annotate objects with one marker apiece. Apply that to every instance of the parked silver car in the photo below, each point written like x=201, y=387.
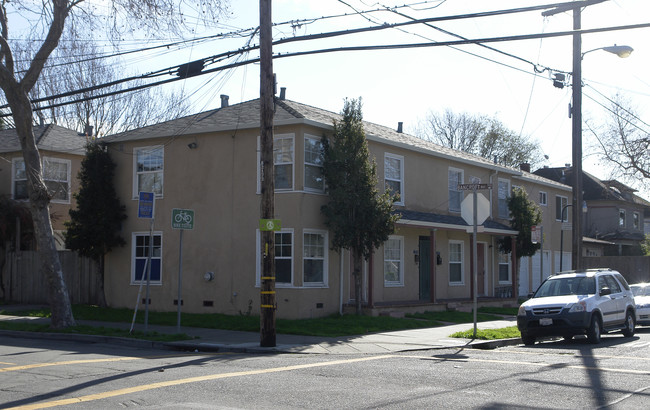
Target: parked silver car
x=641, y=293
x=573, y=303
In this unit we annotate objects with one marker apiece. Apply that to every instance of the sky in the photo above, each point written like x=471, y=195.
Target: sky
x=405, y=85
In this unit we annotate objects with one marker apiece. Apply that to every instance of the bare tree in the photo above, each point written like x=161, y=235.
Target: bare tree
x=46, y=21
x=623, y=141
x=480, y=135
x=79, y=65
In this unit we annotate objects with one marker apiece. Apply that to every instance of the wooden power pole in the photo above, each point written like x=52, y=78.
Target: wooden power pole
x=267, y=207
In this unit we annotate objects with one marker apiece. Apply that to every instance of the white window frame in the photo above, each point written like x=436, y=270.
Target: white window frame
x=44, y=168
x=400, y=262
x=543, y=198
x=258, y=259
x=136, y=173
x=502, y=201
x=312, y=164
x=563, y=202
x=324, y=259
x=636, y=220
x=461, y=262
x=622, y=217
x=400, y=180
x=293, y=161
x=134, y=236
x=504, y=259
x=454, y=189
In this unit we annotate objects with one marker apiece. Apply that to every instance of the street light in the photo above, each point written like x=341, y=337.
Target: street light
x=576, y=117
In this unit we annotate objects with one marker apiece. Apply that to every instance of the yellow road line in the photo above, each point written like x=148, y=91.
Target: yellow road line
x=114, y=359
x=145, y=387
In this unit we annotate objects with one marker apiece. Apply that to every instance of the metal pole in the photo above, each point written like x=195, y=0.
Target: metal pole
x=146, y=301
x=576, y=126
x=180, y=281
x=267, y=292
x=474, y=258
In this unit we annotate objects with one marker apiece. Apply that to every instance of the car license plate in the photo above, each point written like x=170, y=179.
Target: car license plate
x=545, y=321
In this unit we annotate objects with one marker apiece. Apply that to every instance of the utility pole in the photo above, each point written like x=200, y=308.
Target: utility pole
x=267, y=207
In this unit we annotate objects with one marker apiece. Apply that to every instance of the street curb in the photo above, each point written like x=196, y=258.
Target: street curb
x=83, y=338
x=493, y=344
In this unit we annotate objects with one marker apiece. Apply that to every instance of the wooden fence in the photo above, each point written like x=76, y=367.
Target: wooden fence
x=24, y=282
x=635, y=269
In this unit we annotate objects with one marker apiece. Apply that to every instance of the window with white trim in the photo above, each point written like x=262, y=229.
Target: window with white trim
x=314, y=257
x=394, y=175
x=456, y=276
x=148, y=170
x=394, y=261
x=283, y=162
x=455, y=177
x=621, y=217
x=284, y=258
x=140, y=257
x=561, y=203
x=504, y=267
x=503, y=195
x=56, y=176
x=635, y=220
x=314, y=180
x=543, y=198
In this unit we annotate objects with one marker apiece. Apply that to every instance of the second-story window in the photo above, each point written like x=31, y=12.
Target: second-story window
x=314, y=180
x=621, y=217
x=149, y=166
x=560, y=208
x=504, y=194
x=283, y=161
x=543, y=200
x=56, y=175
x=455, y=195
x=635, y=220
x=394, y=175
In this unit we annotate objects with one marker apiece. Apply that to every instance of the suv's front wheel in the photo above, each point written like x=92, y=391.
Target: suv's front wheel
x=628, y=330
x=593, y=333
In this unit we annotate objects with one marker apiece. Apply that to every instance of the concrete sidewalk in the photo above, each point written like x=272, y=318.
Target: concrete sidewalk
x=216, y=340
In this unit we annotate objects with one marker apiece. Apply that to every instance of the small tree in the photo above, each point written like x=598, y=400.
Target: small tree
x=360, y=217
x=525, y=214
x=95, y=225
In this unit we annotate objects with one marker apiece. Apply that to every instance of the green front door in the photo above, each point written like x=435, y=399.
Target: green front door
x=425, y=268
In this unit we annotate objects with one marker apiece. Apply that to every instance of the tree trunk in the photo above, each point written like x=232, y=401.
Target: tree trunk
x=102, y=294
x=39, y=201
x=357, y=264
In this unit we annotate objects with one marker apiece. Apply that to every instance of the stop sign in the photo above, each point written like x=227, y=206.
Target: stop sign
x=482, y=209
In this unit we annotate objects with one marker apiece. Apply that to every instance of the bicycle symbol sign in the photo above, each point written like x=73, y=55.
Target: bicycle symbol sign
x=182, y=219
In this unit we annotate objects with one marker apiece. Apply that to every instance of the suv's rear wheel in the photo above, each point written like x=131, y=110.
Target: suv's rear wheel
x=593, y=333
x=628, y=330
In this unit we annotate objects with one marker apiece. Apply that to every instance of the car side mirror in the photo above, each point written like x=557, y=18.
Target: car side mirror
x=605, y=291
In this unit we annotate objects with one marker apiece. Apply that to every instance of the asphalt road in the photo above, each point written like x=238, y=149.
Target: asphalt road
x=49, y=374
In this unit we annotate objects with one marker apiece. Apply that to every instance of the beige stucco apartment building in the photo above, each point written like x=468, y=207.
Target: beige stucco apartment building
x=209, y=163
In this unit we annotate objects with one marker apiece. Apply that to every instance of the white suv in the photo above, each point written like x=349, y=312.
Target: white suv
x=573, y=303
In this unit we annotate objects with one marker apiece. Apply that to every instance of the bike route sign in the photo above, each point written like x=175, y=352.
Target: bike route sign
x=182, y=218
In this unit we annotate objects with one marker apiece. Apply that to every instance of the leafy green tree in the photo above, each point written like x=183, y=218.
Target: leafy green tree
x=525, y=214
x=94, y=227
x=360, y=217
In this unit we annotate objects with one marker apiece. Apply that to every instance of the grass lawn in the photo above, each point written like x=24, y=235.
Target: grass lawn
x=331, y=326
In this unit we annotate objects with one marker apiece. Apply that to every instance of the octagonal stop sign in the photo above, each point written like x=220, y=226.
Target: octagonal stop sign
x=482, y=209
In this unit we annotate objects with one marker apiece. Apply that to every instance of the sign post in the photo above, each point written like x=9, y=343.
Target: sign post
x=146, y=210
x=182, y=219
x=473, y=219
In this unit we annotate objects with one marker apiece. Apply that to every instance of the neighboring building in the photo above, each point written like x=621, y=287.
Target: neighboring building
x=210, y=163
x=614, y=222
x=61, y=151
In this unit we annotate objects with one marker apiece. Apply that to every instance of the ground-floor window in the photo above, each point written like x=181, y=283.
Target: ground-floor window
x=394, y=261
x=140, y=251
x=314, y=258
x=283, y=257
x=504, y=267
x=455, y=262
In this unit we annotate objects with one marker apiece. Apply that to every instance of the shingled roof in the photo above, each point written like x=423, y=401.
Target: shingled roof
x=49, y=137
x=246, y=115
